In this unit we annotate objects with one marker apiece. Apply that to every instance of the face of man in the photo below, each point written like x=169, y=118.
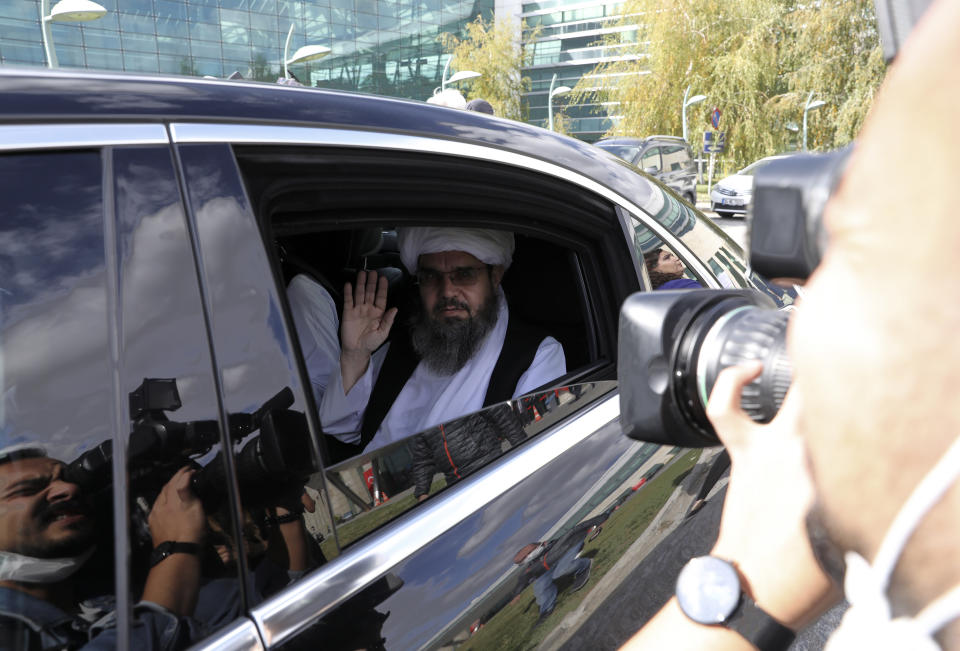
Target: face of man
x=458, y=302
x=41, y=515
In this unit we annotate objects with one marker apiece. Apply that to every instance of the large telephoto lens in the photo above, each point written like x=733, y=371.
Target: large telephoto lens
x=674, y=344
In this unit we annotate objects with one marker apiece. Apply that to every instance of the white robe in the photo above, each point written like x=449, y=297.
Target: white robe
x=428, y=399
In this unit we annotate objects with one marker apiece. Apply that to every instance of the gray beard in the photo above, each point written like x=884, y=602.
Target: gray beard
x=446, y=345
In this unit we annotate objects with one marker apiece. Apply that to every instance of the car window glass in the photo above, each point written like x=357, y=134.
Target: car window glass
x=284, y=505
x=167, y=381
x=370, y=490
x=674, y=157
x=650, y=159
x=56, y=387
x=626, y=152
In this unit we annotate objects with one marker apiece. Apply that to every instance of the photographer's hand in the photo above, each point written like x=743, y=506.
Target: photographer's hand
x=177, y=515
x=365, y=324
x=763, y=530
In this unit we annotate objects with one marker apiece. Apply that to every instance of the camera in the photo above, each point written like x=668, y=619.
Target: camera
x=280, y=455
x=674, y=344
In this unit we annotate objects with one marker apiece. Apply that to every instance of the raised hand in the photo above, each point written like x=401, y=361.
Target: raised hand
x=365, y=324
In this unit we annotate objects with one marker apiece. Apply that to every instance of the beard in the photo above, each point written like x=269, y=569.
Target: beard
x=81, y=536
x=445, y=345
x=828, y=554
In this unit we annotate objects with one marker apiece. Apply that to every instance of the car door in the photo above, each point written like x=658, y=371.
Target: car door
x=396, y=571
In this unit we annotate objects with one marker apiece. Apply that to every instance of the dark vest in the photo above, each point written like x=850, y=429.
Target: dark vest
x=520, y=346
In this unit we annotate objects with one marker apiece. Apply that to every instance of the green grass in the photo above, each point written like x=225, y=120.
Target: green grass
x=513, y=626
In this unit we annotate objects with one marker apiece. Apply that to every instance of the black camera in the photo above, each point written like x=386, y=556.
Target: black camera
x=673, y=344
x=279, y=455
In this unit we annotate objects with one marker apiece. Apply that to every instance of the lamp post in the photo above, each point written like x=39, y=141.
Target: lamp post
x=696, y=99
x=809, y=106
x=302, y=55
x=559, y=90
x=457, y=76
x=65, y=11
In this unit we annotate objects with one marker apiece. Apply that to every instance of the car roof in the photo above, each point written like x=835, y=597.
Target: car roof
x=625, y=140
x=36, y=95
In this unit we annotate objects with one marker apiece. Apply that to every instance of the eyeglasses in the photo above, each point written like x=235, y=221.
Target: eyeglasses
x=460, y=277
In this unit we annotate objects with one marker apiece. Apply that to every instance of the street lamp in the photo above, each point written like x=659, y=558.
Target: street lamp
x=559, y=90
x=457, y=76
x=809, y=106
x=696, y=99
x=302, y=55
x=65, y=11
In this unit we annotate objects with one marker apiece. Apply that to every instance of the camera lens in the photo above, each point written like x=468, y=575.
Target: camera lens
x=722, y=337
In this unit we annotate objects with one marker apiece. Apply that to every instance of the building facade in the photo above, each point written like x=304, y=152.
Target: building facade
x=574, y=37
x=388, y=47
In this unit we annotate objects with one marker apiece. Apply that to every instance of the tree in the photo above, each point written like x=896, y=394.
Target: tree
x=491, y=48
x=756, y=60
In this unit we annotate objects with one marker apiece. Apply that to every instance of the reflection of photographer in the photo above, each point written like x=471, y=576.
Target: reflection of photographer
x=47, y=534
x=859, y=467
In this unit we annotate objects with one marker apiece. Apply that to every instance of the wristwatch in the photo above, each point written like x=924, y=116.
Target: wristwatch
x=709, y=592
x=170, y=547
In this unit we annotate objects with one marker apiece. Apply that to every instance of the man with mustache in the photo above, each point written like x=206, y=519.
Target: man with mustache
x=868, y=441
x=46, y=536
x=460, y=349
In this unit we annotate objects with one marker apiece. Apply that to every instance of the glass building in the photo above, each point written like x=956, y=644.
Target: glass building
x=388, y=47
x=574, y=37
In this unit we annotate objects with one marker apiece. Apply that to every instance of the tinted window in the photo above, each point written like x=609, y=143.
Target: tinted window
x=165, y=350
x=56, y=381
x=283, y=498
x=675, y=157
x=650, y=159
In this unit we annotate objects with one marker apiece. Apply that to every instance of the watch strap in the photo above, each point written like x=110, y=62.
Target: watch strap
x=759, y=628
x=170, y=547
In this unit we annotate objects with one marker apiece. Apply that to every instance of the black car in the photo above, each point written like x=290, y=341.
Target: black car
x=668, y=159
x=149, y=229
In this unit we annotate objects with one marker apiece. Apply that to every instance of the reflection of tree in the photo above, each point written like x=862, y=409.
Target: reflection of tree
x=260, y=69
x=188, y=68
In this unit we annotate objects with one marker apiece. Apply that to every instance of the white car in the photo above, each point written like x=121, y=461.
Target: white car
x=732, y=195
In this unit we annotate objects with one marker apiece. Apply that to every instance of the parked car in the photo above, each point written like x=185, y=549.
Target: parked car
x=668, y=159
x=149, y=228
x=732, y=195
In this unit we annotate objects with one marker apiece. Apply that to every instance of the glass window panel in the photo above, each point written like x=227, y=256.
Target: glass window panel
x=14, y=52
x=264, y=6
x=367, y=21
x=236, y=35
x=140, y=62
x=101, y=39
x=199, y=13
x=139, y=42
x=70, y=56
x=171, y=65
x=22, y=9
x=233, y=17
x=265, y=22
x=137, y=23
x=66, y=34
x=205, y=32
x=101, y=59
x=204, y=49
x=212, y=67
x=171, y=27
x=237, y=53
x=171, y=9
x=55, y=380
x=173, y=46
x=20, y=30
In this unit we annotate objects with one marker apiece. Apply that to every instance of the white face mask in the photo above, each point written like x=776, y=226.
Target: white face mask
x=27, y=569
x=868, y=623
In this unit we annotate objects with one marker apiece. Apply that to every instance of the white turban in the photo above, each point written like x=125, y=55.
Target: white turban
x=487, y=246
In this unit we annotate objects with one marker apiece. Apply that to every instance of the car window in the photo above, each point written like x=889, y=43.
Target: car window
x=675, y=157
x=167, y=382
x=325, y=224
x=56, y=377
x=626, y=152
x=650, y=160
x=374, y=488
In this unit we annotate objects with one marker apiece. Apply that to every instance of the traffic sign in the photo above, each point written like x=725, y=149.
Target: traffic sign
x=714, y=142
x=715, y=117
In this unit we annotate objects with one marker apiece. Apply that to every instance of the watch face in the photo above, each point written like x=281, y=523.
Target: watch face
x=708, y=590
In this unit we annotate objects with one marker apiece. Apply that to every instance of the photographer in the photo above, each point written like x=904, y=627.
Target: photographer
x=865, y=448
x=46, y=536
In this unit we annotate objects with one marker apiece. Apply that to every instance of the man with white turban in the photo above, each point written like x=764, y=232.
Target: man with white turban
x=461, y=351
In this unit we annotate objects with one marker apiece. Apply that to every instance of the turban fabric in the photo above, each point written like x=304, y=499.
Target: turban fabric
x=487, y=246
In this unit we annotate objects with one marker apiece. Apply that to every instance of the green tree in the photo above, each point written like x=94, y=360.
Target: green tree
x=261, y=70
x=756, y=60
x=491, y=48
